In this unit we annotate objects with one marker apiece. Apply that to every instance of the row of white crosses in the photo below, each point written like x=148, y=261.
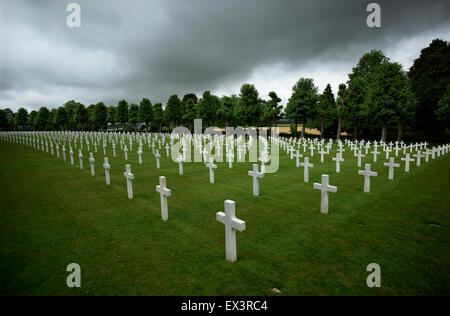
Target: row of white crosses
x=228, y=218
x=358, y=153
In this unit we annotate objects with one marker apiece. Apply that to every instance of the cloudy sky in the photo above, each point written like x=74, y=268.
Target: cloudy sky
x=135, y=49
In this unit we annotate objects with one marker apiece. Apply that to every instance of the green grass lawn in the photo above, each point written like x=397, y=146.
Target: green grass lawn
x=53, y=214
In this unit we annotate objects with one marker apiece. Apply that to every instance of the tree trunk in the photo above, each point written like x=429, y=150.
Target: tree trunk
x=400, y=131
x=295, y=131
x=321, y=128
x=383, y=132
x=338, y=135
x=355, y=132
x=303, y=129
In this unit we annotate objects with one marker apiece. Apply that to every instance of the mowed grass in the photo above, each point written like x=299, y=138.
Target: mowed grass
x=53, y=214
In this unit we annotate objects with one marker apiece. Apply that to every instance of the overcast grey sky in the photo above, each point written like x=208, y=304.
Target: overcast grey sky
x=135, y=49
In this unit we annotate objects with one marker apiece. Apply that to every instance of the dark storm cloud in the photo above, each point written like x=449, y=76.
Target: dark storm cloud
x=135, y=49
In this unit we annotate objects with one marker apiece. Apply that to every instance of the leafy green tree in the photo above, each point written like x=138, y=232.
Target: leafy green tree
x=174, y=110
x=133, y=116
x=70, y=107
x=189, y=113
x=22, y=117
x=12, y=121
x=146, y=112
x=359, y=79
x=302, y=104
x=80, y=117
x=367, y=64
x=112, y=115
x=3, y=121
x=190, y=96
x=356, y=96
x=42, y=117
x=406, y=110
x=272, y=111
x=52, y=120
x=32, y=118
x=326, y=108
x=122, y=113
x=443, y=109
x=99, y=116
x=430, y=75
x=207, y=108
x=158, y=116
x=165, y=118
x=90, y=124
x=226, y=109
x=340, y=107
x=388, y=95
x=61, y=120
x=249, y=109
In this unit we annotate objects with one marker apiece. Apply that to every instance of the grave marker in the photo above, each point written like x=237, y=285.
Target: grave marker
x=231, y=225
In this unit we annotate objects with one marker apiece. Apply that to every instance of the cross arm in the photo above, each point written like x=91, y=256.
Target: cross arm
x=238, y=224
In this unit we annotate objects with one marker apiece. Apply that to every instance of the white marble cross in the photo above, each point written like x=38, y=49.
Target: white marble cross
x=391, y=164
x=71, y=156
x=290, y=151
x=306, y=165
x=167, y=150
x=338, y=160
x=407, y=160
x=367, y=174
x=359, y=155
x=264, y=159
x=180, y=164
x=325, y=188
x=230, y=158
x=130, y=177
x=418, y=156
x=164, y=193
x=256, y=175
x=157, y=155
x=375, y=153
x=322, y=152
x=139, y=152
x=80, y=156
x=64, y=152
x=427, y=155
x=92, y=161
x=231, y=225
x=297, y=158
x=107, y=166
x=211, y=167
x=114, y=149
x=387, y=150
x=125, y=151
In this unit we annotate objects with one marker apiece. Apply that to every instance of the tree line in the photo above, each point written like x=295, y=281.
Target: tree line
x=379, y=95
